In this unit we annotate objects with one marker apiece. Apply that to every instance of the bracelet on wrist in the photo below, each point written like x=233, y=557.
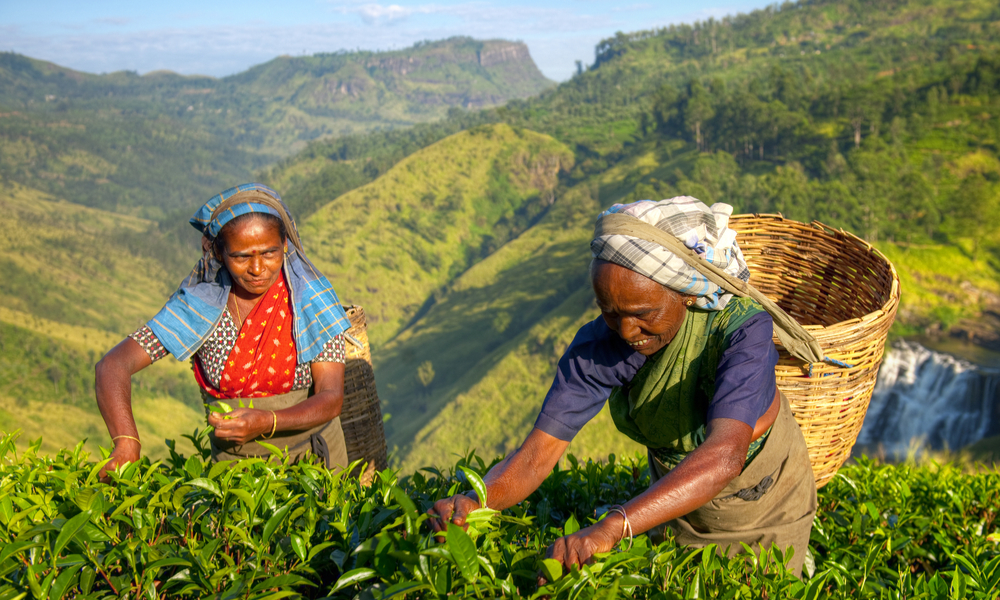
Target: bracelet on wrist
x=127, y=437
x=274, y=426
x=626, y=525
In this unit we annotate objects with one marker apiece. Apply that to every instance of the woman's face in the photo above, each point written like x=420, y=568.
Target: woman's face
x=253, y=254
x=642, y=312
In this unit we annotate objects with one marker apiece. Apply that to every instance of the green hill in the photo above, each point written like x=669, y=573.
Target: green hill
x=396, y=243
x=880, y=121
x=466, y=238
x=160, y=142
x=76, y=281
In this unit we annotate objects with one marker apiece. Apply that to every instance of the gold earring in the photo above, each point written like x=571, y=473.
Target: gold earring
x=689, y=302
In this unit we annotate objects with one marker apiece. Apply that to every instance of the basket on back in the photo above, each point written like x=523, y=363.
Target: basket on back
x=845, y=293
x=361, y=417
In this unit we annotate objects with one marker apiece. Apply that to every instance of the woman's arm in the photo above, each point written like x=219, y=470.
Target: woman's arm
x=697, y=479
x=245, y=424
x=113, y=384
x=512, y=480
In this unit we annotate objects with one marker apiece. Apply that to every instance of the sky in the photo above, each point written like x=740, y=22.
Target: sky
x=223, y=37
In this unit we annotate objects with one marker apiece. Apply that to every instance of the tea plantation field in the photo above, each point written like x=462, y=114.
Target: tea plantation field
x=186, y=528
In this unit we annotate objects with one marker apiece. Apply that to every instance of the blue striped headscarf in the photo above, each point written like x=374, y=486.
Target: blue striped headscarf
x=195, y=309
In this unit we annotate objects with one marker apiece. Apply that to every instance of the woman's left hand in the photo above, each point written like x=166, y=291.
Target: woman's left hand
x=580, y=547
x=241, y=425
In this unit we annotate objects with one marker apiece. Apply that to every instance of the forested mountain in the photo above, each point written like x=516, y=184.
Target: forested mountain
x=877, y=117
x=160, y=142
x=466, y=238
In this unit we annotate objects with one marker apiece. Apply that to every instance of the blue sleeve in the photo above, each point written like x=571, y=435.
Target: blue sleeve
x=596, y=361
x=744, y=380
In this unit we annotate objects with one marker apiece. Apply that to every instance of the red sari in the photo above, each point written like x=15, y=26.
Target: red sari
x=263, y=359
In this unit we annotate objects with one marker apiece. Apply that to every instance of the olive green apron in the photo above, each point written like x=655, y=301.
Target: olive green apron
x=772, y=502
x=325, y=441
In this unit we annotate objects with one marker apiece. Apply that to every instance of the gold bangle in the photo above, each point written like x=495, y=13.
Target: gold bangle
x=274, y=425
x=626, y=525
x=127, y=437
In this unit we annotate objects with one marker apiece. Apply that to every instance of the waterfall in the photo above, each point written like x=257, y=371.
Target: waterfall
x=930, y=399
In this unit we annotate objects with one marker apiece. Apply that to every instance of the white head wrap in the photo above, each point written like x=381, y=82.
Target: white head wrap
x=705, y=230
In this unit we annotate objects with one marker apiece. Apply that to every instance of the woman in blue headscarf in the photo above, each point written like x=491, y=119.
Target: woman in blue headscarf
x=264, y=329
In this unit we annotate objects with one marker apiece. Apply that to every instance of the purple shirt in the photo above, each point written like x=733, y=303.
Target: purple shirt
x=598, y=360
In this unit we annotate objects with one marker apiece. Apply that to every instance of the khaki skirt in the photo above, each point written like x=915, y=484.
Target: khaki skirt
x=325, y=441
x=772, y=502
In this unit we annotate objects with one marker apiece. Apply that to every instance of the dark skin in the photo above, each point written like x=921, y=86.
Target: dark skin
x=647, y=316
x=254, y=255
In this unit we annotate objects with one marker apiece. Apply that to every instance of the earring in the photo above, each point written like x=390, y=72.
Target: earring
x=689, y=302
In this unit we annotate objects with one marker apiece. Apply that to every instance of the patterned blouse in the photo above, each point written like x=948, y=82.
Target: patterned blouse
x=213, y=354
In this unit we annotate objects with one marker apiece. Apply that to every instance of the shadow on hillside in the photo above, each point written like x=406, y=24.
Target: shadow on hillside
x=463, y=333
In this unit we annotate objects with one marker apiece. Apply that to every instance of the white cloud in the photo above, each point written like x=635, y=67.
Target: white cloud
x=375, y=13
x=557, y=35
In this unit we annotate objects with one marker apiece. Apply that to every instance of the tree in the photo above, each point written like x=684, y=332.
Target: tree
x=975, y=209
x=697, y=109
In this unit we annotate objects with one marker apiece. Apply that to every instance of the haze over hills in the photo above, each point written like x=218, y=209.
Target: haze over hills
x=466, y=238
x=110, y=140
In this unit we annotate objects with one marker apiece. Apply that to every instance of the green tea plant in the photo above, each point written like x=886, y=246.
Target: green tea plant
x=185, y=527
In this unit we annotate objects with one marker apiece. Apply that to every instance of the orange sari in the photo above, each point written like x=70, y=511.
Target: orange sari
x=263, y=358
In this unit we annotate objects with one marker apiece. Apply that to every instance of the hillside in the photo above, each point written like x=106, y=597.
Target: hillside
x=156, y=143
x=881, y=121
x=76, y=281
x=466, y=238
x=399, y=241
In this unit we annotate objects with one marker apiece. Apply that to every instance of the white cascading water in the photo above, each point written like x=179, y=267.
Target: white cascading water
x=926, y=398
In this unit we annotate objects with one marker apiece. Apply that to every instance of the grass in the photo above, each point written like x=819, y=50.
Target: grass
x=64, y=426
x=393, y=244
x=939, y=285
x=77, y=280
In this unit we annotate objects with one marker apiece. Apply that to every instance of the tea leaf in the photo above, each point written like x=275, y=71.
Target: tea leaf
x=352, y=577
x=463, y=551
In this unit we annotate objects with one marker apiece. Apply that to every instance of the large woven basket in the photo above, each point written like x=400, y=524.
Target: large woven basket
x=361, y=417
x=845, y=293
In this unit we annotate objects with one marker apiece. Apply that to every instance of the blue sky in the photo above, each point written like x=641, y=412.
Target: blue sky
x=224, y=37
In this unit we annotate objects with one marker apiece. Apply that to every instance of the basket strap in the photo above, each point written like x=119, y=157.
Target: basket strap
x=796, y=340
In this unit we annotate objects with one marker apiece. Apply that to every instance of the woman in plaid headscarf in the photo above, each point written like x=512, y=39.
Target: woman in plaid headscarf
x=688, y=371
x=262, y=326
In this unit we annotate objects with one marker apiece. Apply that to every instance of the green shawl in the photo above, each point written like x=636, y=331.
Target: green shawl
x=665, y=404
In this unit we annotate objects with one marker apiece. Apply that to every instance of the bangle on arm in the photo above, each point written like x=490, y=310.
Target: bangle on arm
x=274, y=426
x=626, y=526
x=127, y=437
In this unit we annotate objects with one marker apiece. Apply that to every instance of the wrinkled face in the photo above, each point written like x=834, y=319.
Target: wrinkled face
x=254, y=254
x=642, y=312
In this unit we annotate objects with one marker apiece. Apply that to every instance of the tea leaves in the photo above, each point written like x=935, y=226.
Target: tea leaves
x=259, y=528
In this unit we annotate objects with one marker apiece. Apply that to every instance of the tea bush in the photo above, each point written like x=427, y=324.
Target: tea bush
x=187, y=528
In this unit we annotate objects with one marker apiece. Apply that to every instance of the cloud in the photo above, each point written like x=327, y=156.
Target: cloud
x=557, y=35
x=376, y=13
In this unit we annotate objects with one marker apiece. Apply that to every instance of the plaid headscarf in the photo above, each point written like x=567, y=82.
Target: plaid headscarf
x=705, y=230
x=195, y=309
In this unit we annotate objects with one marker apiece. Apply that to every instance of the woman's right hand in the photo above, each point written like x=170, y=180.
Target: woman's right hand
x=126, y=451
x=451, y=510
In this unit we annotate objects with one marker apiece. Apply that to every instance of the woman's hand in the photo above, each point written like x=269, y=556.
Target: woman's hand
x=580, y=547
x=242, y=425
x=451, y=510
x=126, y=451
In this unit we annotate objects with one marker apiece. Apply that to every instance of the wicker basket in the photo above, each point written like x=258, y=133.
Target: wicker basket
x=361, y=417
x=845, y=293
